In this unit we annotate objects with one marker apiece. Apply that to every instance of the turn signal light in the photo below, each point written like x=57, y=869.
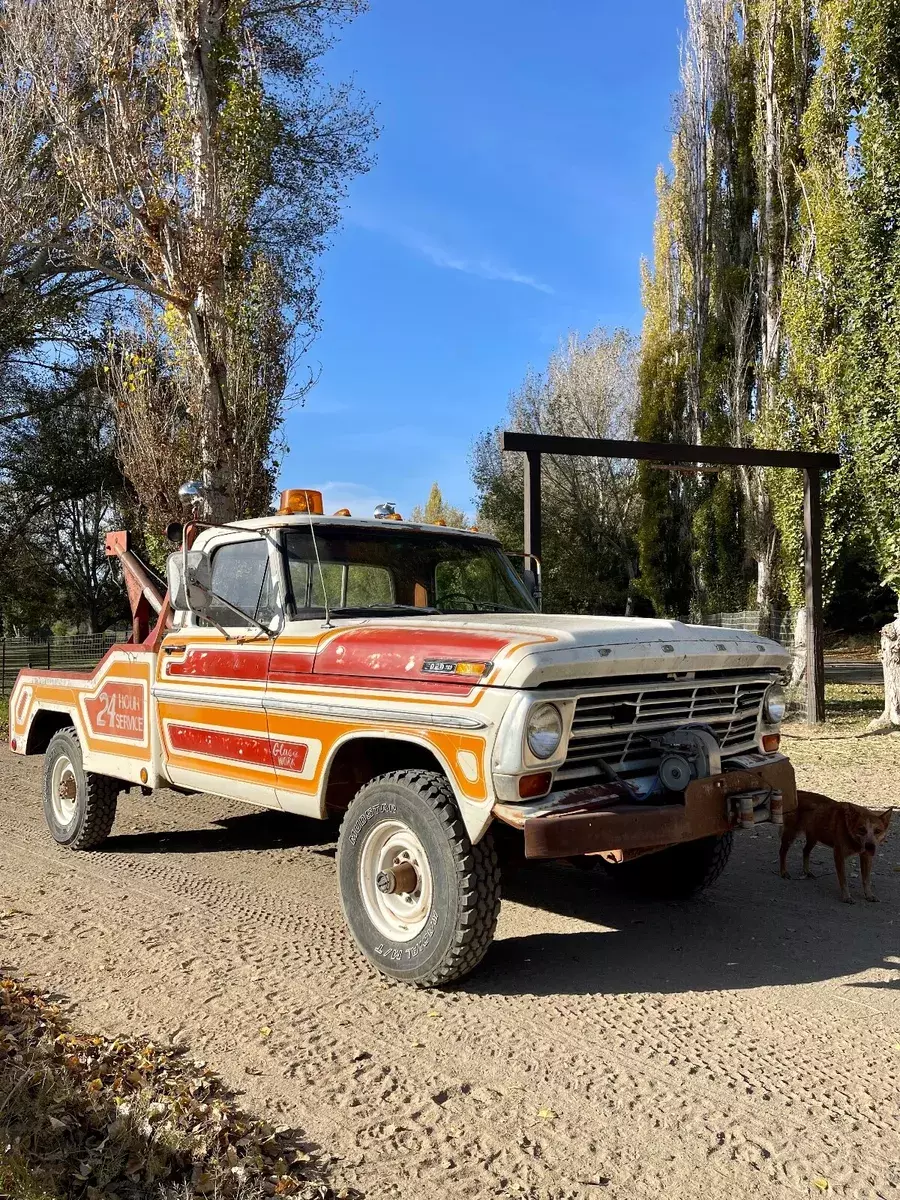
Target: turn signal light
x=771, y=742
x=532, y=786
x=300, y=500
x=473, y=668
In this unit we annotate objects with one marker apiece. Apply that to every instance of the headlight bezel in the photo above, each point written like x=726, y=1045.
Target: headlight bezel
x=774, y=704
x=547, y=751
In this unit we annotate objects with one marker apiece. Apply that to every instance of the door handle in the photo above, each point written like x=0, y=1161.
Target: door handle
x=170, y=649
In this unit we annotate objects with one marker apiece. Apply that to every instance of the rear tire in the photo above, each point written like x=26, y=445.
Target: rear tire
x=677, y=873
x=79, y=805
x=420, y=900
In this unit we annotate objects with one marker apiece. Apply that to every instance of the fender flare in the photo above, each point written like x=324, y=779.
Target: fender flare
x=477, y=815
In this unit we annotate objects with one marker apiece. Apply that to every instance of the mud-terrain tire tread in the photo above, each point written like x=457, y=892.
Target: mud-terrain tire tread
x=101, y=794
x=477, y=868
x=679, y=872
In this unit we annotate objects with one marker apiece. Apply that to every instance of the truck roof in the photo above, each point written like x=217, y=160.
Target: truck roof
x=303, y=520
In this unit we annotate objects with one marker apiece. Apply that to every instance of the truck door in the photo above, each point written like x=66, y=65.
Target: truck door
x=210, y=685
x=302, y=722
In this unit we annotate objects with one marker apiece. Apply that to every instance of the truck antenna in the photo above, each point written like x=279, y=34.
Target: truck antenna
x=312, y=531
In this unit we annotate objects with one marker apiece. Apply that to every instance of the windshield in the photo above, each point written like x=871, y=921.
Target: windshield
x=395, y=572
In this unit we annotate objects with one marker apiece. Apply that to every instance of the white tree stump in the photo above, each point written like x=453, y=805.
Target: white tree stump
x=890, y=665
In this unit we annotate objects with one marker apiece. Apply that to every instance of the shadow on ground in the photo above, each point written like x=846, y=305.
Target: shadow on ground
x=753, y=929
x=569, y=931
x=257, y=830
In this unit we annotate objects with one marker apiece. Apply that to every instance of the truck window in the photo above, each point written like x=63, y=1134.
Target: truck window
x=473, y=581
x=241, y=575
x=387, y=569
x=351, y=585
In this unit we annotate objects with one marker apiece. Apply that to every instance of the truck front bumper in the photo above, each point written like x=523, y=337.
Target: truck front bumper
x=606, y=820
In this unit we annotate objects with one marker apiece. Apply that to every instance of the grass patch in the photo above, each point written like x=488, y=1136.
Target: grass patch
x=849, y=707
x=860, y=646
x=84, y=1117
x=853, y=704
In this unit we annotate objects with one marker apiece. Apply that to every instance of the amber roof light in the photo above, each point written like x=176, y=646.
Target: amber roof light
x=300, y=500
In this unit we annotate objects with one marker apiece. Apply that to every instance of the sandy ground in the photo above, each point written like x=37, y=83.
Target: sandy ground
x=745, y=1044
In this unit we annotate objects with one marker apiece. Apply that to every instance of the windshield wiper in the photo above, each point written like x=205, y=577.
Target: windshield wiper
x=385, y=610
x=483, y=607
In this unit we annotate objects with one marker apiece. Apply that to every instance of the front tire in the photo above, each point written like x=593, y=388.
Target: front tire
x=79, y=805
x=420, y=900
x=677, y=873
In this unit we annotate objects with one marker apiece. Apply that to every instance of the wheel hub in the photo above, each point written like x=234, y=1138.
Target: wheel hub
x=402, y=877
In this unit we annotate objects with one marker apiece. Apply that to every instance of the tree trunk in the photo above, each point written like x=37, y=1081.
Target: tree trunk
x=798, y=651
x=890, y=665
x=213, y=425
x=770, y=221
x=765, y=543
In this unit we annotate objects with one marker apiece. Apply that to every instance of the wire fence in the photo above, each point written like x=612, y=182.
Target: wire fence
x=80, y=652
x=83, y=651
x=780, y=627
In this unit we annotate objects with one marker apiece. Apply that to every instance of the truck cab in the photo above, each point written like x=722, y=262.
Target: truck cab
x=400, y=677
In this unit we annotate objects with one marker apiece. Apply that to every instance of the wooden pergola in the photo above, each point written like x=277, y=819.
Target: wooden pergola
x=534, y=445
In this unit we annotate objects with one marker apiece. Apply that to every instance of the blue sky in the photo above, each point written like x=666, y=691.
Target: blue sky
x=511, y=201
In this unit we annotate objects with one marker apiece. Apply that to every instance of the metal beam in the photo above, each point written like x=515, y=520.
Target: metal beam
x=812, y=564
x=533, y=504
x=669, y=452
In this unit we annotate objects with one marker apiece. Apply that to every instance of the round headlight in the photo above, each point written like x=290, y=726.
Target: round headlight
x=774, y=705
x=544, y=730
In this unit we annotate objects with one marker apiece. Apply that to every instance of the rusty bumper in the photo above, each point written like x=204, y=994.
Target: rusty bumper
x=605, y=819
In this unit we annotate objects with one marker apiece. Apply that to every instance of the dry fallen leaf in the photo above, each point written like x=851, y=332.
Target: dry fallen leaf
x=821, y=1183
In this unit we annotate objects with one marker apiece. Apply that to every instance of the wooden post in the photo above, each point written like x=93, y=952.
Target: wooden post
x=812, y=559
x=533, y=503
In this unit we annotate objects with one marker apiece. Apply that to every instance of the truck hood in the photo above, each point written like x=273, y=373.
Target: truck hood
x=532, y=649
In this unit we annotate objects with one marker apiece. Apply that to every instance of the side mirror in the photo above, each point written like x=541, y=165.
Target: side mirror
x=190, y=594
x=529, y=573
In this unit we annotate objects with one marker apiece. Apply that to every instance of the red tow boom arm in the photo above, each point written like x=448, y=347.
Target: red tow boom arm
x=144, y=592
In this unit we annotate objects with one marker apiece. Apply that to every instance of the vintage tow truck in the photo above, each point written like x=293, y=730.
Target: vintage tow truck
x=401, y=677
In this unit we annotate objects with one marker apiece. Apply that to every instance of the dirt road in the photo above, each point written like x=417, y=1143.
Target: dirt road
x=746, y=1044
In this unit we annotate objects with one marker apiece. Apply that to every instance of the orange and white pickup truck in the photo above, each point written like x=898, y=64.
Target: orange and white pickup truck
x=401, y=678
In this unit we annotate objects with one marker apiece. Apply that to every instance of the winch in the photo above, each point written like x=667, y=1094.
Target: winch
x=688, y=753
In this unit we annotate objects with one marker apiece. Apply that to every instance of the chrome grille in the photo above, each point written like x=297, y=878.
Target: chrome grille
x=614, y=725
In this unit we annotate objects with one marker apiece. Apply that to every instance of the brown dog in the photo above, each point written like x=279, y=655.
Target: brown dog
x=847, y=828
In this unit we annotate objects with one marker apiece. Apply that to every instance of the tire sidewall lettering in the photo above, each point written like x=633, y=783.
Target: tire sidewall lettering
x=382, y=809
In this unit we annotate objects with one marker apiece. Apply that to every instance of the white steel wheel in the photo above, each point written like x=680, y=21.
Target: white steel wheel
x=79, y=805
x=63, y=790
x=395, y=880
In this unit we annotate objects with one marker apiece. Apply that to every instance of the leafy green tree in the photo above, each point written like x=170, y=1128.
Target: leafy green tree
x=712, y=343
x=204, y=160
x=436, y=510
x=590, y=506
x=62, y=489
